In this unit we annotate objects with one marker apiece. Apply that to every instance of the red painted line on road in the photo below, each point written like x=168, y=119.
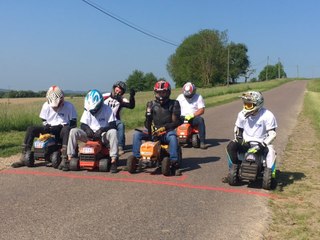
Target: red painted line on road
x=132, y=180
x=144, y=174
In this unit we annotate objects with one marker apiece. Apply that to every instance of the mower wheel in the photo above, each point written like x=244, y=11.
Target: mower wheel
x=195, y=141
x=132, y=162
x=104, y=165
x=267, y=179
x=165, y=166
x=74, y=164
x=29, y=158
x=55, y=159
x=233, y=175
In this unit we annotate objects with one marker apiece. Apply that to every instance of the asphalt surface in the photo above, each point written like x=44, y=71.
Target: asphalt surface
x=45, y=203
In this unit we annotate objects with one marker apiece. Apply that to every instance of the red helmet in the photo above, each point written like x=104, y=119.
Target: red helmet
x=162, y=91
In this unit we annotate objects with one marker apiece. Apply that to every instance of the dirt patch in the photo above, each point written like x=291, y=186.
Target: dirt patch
x=6, y=162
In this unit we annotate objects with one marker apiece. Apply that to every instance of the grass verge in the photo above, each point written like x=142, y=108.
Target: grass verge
x=296, y=211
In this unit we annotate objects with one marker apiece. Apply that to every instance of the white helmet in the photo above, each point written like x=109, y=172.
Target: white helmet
x=93, y=101
x=189, y=90
x=252, y=102
x=55, y=96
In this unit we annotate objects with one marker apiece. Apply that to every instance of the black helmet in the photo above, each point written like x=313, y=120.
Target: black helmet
x=121, y=85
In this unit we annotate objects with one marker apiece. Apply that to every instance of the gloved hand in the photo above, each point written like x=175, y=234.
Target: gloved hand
x=255, y=149
x=47, y=128
x=89, y=133
x=189, y=117
x=159, y=131
x=239, y=139
x=132, y=92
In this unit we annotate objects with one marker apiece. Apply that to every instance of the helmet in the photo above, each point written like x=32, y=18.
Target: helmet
x=55, y=96
x=189, y=90
x=121, y=85
x=93, y=101
x=162, y=91
x=252, y=102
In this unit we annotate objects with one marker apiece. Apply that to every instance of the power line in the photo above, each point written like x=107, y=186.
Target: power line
x=127, y=23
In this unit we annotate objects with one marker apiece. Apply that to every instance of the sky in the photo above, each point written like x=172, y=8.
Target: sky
x=77, y=47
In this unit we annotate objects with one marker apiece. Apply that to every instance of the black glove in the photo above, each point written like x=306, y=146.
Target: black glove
x=132, y=92
x=47, y=128
x=89, y=132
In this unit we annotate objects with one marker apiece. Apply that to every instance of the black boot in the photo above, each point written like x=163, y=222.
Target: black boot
x=21, y=163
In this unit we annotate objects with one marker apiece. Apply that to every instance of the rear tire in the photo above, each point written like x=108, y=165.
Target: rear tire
x=195, y=141
x=233, y=175
x=104, y=165
x=132, y=164
x=55, y=159
x=165, y=166
x=74, y=164
x=267, y=179
x=29, y=158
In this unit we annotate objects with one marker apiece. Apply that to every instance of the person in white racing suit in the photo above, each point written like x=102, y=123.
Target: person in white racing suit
x=254, y=123
x=117, y=102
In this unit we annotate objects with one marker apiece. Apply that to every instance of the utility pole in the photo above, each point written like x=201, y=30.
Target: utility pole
x=297, y=71
x=267, y=68
x=228, y=67
x=278, y=67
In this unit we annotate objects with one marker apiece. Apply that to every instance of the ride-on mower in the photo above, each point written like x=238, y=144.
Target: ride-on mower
x=93, y=155
x=154, y=154
x=45, y=148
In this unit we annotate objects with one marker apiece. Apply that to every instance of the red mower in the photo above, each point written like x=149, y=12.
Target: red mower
x=187, y=135
x=93, y=155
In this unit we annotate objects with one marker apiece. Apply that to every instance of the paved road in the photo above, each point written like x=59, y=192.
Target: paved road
x=44, y=203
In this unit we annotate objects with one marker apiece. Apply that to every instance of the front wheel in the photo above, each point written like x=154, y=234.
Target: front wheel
x=165, y=166
x=267, y=179
x=233, y=175
x=132, y=164
x=55, y=159
x=104, y=165
x=74, y=164
x=29, y=158
x=195, y=141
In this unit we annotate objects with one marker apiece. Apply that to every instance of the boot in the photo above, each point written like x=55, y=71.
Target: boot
x=203, y=145
x=21, y=163
x=113, y=168
x=64, y=165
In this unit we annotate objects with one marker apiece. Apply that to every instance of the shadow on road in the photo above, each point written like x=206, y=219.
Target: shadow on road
x=216, y=141
x=189, y=164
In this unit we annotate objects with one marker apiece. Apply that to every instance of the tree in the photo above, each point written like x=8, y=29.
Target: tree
x=239, y=61
x=272, y=72
x=140, y=81
x=201, y=58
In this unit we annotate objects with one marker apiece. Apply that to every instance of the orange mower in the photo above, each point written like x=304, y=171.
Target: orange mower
x=188, y=135
x=92, y=155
